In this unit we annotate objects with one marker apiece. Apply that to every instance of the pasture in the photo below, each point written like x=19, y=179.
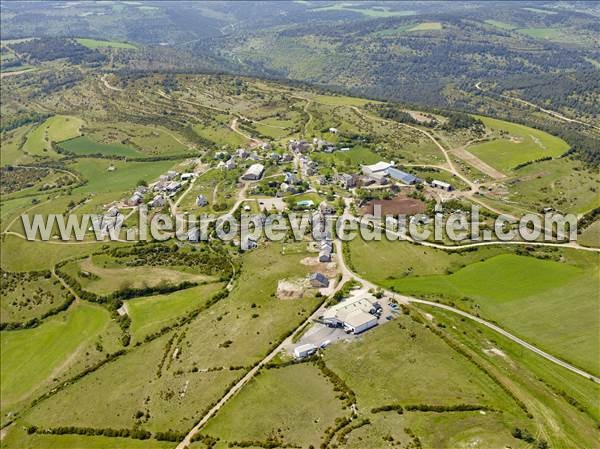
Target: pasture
x=32, y=358
x=54, y=129
x=82, y=146
x=515, y=144
x=105, y=278
x=550, y=304
x=141, y=380
x=305, y=406
x=95, y=43
x=150, y=314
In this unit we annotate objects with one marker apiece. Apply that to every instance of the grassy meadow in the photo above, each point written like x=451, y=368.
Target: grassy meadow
x=516, y=144
x=54, y=129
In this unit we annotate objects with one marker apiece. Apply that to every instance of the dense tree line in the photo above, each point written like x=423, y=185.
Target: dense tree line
x=51, y=48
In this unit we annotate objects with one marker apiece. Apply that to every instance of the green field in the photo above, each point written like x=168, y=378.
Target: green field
x=54, y=129
x=347, y=161
x=111, y=396
x=550, y=304
x=95, y=43
x=149, y=314
x=427, y=26
x=501, y=25
x=85, y=146
x=107, y=277
x=543, y=33
x=32, y=358
x=516, y=144
x=123, y=178
x=306, y=405
x=374, y=12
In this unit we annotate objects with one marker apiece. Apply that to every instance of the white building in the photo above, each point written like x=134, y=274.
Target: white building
x=304, y=351
x=355, y=314
x=376, y=170
x=254, y=172
x=441, y=185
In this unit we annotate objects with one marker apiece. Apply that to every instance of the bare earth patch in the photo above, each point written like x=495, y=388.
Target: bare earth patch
x=291, y=289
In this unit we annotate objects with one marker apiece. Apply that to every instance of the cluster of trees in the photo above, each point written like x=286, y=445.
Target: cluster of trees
x=21, y=119
x=570, y=91
x=51, y=48
x=137, y=434
x=460, y=120
x=525, y=435
x=202, y=258
x=430, y=408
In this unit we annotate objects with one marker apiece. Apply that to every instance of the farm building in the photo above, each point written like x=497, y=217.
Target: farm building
x=304, y=351
x=187, y=176
x=201, y=201
x=318, y=280
x=157, y=201
x=135, y=199
x=404, y=177
x=376, y=170
x=356, y=314
x=346, y=181
x=441, y=185
x=325, y=251
x=254, y=172
x=333, y=130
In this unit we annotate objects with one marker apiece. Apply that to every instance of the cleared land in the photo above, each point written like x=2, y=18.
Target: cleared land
x=516, y=144
x=95, y=43
x=54, y=129
x=283, y=418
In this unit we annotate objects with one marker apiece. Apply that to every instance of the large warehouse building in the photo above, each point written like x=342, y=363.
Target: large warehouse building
x=354, y=314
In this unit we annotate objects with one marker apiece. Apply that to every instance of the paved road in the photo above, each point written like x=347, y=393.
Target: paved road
x=348, y=273
x=250, y=374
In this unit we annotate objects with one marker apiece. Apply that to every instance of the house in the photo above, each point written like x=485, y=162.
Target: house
x=242, y=153
x=375, y=169
x=266, y=146
x=304, y=351
x=171, y=174
x=135, y=199
x=254, y=172
x=187, y=176
x=329, y=148
x=325, y=251
x=112, y=212
x=354, y=314
x=172, y=187
x=201, y=201
x=404, y=177
x=346, y=181
x=230, y=164
x=273, y=156
x=141, y=189
x=157, y=201
x=299, y=146
x=318, y=280
x=441, y=185
x=287, y=157
x=289, y=178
